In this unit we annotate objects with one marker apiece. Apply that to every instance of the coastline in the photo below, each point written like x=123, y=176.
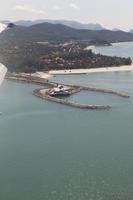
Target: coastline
x=83, y=71
x=115, y=43
x=42, y=92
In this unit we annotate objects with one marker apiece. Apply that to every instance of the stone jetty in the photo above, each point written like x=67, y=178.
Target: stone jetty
x=93, y=89
x=42, y=93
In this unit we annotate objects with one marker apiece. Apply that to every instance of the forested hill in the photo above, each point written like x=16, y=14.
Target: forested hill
x=42, y=57
x=54, y=46
x=58, y=32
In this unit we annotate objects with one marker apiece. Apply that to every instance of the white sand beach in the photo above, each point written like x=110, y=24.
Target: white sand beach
x=83, y=71
x=95, y=70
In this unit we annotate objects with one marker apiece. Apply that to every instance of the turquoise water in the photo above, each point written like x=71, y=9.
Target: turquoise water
x=54, y=152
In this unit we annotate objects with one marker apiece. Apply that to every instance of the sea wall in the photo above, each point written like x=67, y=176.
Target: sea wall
x=42, y=93
x=93, y=89
x=45, y=96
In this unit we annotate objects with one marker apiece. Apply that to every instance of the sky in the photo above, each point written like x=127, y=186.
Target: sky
x=109, y=13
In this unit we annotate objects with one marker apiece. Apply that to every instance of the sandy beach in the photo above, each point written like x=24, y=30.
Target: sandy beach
x=83, y=71
x=96, y=70
x=42, y=74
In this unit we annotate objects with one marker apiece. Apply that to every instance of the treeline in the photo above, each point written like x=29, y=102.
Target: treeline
x=46, y=56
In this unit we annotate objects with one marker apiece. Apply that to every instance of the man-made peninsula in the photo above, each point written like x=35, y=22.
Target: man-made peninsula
x=47, y=92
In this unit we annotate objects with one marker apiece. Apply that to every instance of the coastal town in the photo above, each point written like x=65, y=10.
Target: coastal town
x=45, y=56
x=66, y=100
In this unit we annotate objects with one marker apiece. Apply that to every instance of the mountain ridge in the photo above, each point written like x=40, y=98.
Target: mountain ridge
x=70, y=23
x=58, y=32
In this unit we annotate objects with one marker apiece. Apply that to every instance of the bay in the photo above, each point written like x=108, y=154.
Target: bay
x=54, y=152
x=124, y=49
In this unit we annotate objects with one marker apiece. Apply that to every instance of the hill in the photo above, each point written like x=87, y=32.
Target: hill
x=58, y=32
x=42, y=57
x=72, y=24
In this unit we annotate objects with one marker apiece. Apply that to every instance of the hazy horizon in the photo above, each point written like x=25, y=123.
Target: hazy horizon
x=110, y=14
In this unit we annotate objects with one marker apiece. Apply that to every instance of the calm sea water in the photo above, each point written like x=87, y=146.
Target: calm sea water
x=53, y=152
x=124, y=49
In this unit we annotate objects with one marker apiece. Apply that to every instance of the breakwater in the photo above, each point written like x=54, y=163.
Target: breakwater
x=45, y=96
x=93, y=89
x=29, y=79
x=42, y=93
x=42, y=81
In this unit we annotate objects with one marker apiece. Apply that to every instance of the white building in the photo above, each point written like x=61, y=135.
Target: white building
x=60, y=90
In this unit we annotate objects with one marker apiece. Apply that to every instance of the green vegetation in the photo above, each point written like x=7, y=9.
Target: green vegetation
x=46, y=46
x=33, y=57
x=59, y=32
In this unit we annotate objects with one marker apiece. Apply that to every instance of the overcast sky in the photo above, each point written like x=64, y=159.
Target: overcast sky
x=109, y=13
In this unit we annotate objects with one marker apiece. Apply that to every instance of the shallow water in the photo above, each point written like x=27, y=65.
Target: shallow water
x=54, y=152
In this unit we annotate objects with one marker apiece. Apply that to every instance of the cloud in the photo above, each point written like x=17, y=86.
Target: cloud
x=57, y=7
x=74, y=6
x=28, y=8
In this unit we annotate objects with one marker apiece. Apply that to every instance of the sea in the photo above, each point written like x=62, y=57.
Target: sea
x=50, y=151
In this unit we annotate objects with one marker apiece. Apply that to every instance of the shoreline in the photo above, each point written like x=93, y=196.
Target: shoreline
x=50, y=73
x=113, y=43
